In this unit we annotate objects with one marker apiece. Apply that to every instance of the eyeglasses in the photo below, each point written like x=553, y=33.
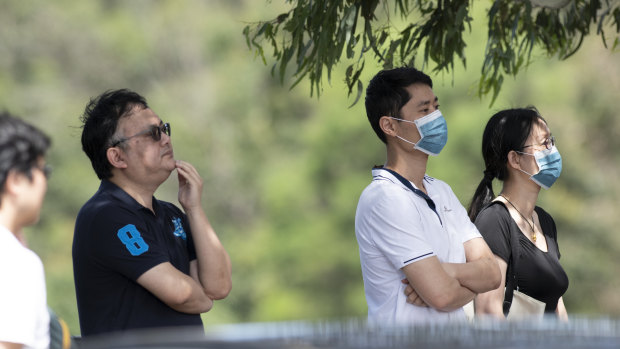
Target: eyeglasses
x=46, y=169
x=548, y=143
x=154, y=131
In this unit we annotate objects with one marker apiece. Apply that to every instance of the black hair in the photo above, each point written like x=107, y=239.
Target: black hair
x=386, y=94
x=21, y=145
x=99, y=123
x=507, y=130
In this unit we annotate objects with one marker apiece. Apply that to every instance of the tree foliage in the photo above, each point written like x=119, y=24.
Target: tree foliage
x=315, y=34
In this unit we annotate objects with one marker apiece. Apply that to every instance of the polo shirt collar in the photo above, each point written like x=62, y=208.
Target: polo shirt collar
x=379, y=172
x=118, y=193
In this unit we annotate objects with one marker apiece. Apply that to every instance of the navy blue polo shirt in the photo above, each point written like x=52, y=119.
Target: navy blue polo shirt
x=115, y=241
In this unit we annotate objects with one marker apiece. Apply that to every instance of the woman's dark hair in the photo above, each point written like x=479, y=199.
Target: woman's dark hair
x=21, y=145
x=506, y=130
x=386, y=94
x=99, y=123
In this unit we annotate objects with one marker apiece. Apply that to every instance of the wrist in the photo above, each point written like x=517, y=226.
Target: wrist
x=192, y=209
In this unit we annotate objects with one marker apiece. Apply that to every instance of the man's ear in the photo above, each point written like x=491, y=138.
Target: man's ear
x=15, y=185
x=13, y=182
x=116, y=157
x=387, y=126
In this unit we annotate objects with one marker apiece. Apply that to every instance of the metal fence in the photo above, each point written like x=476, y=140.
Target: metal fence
x=579, y=332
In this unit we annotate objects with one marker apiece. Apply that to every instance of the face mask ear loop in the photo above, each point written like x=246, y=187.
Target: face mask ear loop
x=529, y=174
x=402, y=139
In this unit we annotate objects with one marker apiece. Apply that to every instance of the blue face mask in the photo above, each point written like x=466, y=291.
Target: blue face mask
x=433, y=132
x=549, y=164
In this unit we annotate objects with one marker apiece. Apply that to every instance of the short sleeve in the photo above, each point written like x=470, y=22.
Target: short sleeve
x=493, y=222
x=393, y=224
x=123, y=242
x=460, y=221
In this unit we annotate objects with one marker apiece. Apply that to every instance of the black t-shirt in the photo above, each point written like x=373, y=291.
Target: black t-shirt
x=115, y=241
x=539, y=274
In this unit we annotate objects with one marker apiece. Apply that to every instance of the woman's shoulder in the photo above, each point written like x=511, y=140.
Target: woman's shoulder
x=492, y=217
x=493, y=209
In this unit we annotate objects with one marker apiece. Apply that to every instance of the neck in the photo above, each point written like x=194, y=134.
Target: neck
x=412, y=166
x=9, y=220
x=143, y=194
x=522, y=196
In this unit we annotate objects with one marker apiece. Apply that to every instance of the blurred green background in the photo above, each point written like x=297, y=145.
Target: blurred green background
x=283, y=171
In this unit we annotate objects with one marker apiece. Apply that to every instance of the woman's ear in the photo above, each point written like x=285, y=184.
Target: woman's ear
x=514, y=160
x=116, y=157
x=387, y=126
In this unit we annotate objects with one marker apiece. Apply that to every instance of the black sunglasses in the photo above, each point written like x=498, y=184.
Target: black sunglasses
x=154, y=131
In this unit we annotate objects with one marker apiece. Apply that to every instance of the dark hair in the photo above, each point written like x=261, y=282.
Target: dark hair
x=99, y=123
x=506, y=130
x=21, y=144
x=386, y=94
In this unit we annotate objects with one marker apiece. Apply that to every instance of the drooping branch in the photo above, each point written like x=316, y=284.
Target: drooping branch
x=315, y=35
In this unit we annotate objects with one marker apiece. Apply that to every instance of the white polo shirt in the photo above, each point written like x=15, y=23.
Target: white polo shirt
x=24, y=317
x=395, y=227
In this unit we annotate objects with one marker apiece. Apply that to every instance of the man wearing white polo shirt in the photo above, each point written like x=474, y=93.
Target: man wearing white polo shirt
x=422, y=258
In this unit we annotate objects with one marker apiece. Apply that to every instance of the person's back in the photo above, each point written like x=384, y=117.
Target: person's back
x=24, y=317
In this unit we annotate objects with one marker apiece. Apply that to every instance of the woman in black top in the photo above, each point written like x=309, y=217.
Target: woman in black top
x=519, y=150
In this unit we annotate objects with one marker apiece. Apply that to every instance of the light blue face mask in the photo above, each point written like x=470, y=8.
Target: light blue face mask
x=549, y=163
x=433, y=132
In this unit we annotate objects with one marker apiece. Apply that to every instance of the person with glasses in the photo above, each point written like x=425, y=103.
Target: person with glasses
x=422, y=259
x=519, y=150
x=140, y=262
x=24, y=317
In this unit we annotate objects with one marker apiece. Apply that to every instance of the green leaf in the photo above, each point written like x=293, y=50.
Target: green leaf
x=360, y=90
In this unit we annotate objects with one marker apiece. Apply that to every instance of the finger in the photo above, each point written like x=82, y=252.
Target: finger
x=405, y=281
x=188, y=169
x=415, y=299
x=419, y=302
x=189, y=174
x=412, y=298
x=408, y=290
x=186, y=166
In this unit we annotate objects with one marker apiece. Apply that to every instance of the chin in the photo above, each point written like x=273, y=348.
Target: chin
x=170, y=164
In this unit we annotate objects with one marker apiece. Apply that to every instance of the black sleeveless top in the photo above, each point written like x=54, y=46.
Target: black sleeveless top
x=539, y=274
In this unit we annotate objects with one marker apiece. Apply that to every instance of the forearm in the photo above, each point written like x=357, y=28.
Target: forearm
x=458, y=297
x=9, y=345
x=491, y=303
x=479, y=276
x=176, y=289
x=435, y=287
x=196, y=302
x=561, y=310
x=213, y=263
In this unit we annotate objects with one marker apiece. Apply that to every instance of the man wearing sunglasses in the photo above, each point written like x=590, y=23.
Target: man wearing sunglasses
x=140, y=262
